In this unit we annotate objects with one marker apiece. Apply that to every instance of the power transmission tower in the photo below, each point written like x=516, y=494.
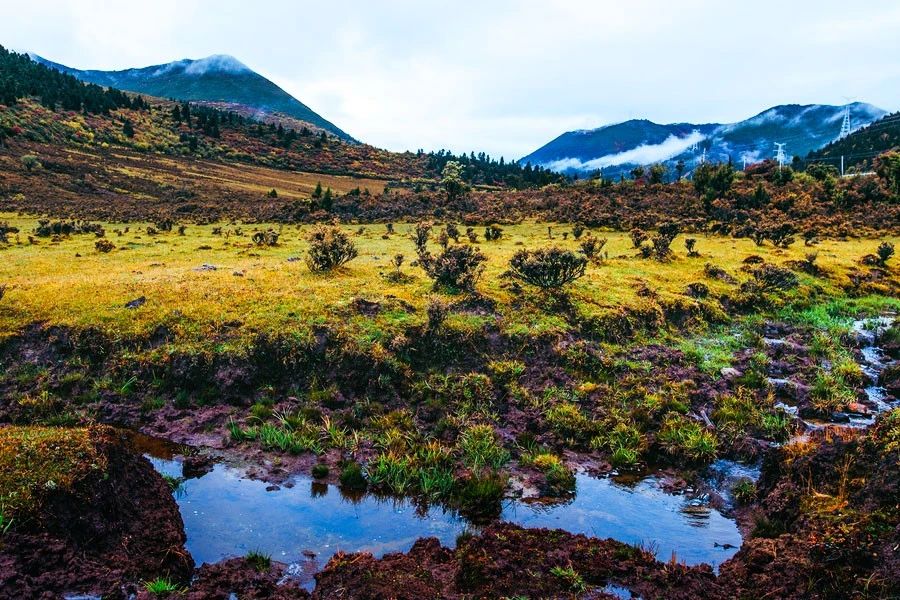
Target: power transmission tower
x=779, y=155
x=845, y=124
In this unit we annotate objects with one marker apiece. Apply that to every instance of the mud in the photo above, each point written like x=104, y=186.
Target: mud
x=111, y=531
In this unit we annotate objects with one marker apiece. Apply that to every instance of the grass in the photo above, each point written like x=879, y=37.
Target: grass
x=162, y=587
x=69, y=283
x=37, y=460
x=259, y=561
x=682, y=437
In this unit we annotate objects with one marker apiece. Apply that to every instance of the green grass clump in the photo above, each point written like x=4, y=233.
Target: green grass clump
x=320, y=471
x=162, y=587
x=560, y=479
x=569, y=423
x=352, y=477
x=829, y=392
x=682, y=437
x=624, y=443
x=35, y=461
x=744, y=491
x=571, y=578
x=259, y=561
x=480, y=448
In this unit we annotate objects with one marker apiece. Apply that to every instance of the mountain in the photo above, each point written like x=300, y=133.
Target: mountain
x=217, y=78
x=859, y=149
x=618, y=148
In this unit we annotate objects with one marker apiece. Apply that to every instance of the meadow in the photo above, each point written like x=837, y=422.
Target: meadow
x=269, y=288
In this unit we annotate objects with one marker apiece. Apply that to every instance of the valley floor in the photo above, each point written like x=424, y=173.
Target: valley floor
x=371, y=379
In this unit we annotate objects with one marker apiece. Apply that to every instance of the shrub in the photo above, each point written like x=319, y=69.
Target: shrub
x=884, y=252
x=437, y=313
x=320, y=471
x=30, y=161
x=421, y=233
x=577, y=231
x=329, y=248
x=547, y=268
x=452, y=232
x=638, y=237
x=770, y=278
x=457, y=267
x=591, y=247
x=663, y=239
x=492, y=233
x=265, y=238
x=690, y=245
x=782, y=235
x=104, y=245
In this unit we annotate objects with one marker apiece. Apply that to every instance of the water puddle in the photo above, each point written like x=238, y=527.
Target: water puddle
x=226, y=515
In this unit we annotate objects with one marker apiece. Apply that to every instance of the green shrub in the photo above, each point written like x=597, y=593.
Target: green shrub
x=457, y=267
x=547, y=268
x=320, y=471
x=329, y=248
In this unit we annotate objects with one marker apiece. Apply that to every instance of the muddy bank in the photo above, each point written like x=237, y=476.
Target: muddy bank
x=109, y=530
x=835, y=538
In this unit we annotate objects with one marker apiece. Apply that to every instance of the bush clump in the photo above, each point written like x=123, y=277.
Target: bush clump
x=547, y=268
x=458, y=267
x=104, y=245
x=329, y=248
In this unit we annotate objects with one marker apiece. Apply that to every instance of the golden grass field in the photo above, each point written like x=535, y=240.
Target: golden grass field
x=68, y=282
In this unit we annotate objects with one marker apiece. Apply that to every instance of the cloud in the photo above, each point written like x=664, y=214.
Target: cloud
x=644, y=154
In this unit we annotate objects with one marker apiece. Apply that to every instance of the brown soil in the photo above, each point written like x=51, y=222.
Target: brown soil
x=105, y=535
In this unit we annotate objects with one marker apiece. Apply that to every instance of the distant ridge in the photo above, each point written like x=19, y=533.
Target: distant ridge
x=216, y=78
x=614, y=149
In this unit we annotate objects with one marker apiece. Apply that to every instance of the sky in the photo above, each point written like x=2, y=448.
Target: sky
x=499, y=76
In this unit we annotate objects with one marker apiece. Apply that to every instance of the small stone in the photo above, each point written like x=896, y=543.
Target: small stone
x=136, y=303
x=730, y=372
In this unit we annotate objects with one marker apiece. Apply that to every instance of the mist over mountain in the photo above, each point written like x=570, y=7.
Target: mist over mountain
x=217, y=78
x=617, y=148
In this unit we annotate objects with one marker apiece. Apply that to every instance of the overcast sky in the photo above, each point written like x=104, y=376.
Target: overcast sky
x=495, y=75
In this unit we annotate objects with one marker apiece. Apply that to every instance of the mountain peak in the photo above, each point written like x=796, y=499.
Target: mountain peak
x=216, y=78
x=224, y=63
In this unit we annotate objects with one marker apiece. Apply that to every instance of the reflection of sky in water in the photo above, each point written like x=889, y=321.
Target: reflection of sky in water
x=225, y=515
x=642, y=514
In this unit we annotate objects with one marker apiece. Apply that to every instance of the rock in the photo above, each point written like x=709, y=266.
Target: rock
x=136, y=303
x=858, y=408
x=840, y=417
x=196, y=466
x=730, y=372
x=207, y=267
